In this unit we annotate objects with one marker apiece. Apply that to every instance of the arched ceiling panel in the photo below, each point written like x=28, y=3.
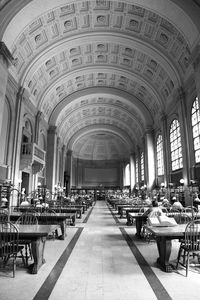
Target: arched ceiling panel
x=104, y=65
x=170, y=10
x=100, y=146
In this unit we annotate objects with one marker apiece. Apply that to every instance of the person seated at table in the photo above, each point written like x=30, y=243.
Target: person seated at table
x=177, y=204
x=165, y=203
x=196, y=201
x=147, y=201
x=153, y=211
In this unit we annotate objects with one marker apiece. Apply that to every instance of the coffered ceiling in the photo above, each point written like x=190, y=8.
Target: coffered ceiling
x=101, y=71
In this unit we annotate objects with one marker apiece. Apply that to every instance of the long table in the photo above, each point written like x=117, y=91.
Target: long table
x=164, y=237
x=37, y=234
x=50, y=219
x=140, y=220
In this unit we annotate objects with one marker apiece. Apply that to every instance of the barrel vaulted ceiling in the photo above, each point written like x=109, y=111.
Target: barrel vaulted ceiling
x=103, y=72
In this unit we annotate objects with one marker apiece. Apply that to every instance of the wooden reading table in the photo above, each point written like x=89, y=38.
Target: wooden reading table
x=49, y=219
x=37, y=234
x=164, y=237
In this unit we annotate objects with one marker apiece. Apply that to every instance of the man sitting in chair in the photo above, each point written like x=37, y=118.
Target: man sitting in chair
x=153, y=211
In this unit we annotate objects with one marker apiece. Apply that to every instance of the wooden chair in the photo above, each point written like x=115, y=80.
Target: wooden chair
x=50, y=212
x=182, y=218
x=27, y=219
x=3, y=217
x=190, y=245
x=192, y=210
x=9, y=243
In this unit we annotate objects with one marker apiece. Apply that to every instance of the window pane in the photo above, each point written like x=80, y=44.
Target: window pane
x=175, y=146
x=159, y=151
x=195, y=120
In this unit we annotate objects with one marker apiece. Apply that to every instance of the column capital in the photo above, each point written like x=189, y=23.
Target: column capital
x=6, y=54
x=52, y=129
x=195, y=57
x=163, y=117
x=69, y=152
x=148, y=130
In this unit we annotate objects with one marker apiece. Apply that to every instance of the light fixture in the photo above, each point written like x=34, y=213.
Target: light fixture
x=162, y=185
x=182, y=181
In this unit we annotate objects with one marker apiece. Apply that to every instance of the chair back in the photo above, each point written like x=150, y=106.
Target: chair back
x=9, y=238
x=173, y=213
x=3, y=217
x=27, y=219
x=192, y=235
x=47, y=214
x=182, y=218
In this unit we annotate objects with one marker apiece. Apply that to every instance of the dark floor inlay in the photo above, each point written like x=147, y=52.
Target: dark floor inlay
x=153, y=280
x=114, y=217
x=88, y=215
x=47, y=287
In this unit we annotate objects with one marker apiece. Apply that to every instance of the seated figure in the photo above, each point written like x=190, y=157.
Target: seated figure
x=153, y=211
x=177, y=204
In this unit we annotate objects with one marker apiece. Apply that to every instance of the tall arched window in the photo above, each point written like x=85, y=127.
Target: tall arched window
x=196, y=129
x=127, y=175
x=142, y=165
x=159, y=155
x=136, y=171
x=175, y=146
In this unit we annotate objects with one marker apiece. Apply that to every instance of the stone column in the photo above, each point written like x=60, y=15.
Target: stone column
x=57, y=179
x=51, y=158
x=132, y=171
x=37, y=125
x=166, y=153
x=149, y=158
x=62, y=167
x=17, y=136
x=196, y=65
x=6, y=60
x=68, y=168
x=184, y=135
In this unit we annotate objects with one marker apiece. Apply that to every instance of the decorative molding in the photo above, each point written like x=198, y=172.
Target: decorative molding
x=6, y=54
x=195, y=57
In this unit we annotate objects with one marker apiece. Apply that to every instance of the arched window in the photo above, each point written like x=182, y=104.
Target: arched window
x=196, y=129
x=142, y=165
x=159, y=155
x=136, y=171
x=175, y=146
x=127, y=175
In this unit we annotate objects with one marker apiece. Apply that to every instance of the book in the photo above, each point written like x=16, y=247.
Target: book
x=162, y=221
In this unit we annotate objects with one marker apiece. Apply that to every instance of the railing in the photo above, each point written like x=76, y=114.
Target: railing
x=31, y=154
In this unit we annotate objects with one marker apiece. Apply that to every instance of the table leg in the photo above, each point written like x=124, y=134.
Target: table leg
x=164, y=249
x=37, y=248
x=138, y=224
x=129, y=220
x=63, y=230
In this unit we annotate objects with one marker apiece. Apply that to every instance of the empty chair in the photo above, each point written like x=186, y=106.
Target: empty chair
x=27, y=219
x=190, y=245
x=9, y=246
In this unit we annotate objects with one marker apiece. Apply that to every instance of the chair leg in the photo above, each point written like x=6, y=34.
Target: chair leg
x=187, y=263
x=23, y=260
x=30, y=252
x=14, y=266
x=178, y=258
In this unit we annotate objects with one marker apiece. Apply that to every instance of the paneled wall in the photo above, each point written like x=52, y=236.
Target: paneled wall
x=96, y=173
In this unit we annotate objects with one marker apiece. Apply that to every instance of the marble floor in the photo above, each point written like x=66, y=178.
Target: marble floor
x=96, y=262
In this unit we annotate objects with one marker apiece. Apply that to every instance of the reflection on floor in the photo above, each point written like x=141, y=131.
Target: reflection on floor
x=95, y=262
